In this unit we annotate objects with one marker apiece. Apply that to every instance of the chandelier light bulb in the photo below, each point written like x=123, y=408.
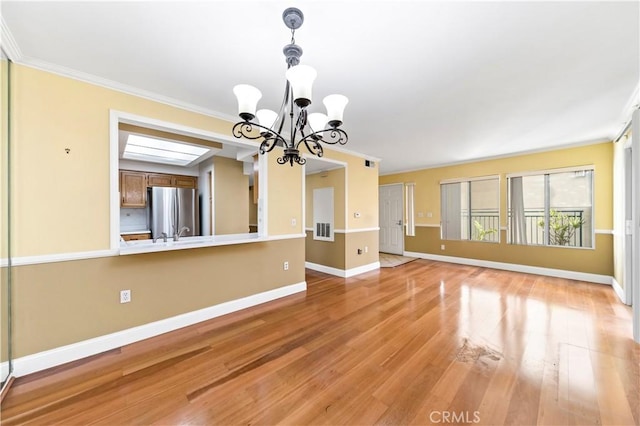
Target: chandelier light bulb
x=248, y=97
x=266, y=117
x=301, y=78
x=317, y=121
x=335, y=105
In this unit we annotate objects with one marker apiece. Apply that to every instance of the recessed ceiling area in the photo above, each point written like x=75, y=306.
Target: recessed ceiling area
x=429, y=83
x=153, y=150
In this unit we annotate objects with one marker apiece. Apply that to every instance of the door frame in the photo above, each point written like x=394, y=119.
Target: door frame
x=401, y=185
x=635, y=223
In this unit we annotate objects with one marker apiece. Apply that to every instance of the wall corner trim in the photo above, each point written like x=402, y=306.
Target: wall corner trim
x=342, y=272
x=620, y=291
x=64, y=354
x=559, y=273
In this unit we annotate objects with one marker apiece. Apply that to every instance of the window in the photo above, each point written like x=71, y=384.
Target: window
x=470, y=209
x=552, y=208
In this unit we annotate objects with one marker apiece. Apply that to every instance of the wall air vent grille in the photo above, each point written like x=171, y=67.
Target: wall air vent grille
x=323, y=230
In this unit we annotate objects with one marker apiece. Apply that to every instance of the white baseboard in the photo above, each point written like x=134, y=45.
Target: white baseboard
x=620, y=291
x=559, y=273
x=4, y=370
x=362, y=269
x=342, y=272
x=58, y=356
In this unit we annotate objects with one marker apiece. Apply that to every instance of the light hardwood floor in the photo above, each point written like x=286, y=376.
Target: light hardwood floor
x=426, y=342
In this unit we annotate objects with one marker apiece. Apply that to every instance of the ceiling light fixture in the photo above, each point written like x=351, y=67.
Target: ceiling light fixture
x=144, y=148
x=310, y=129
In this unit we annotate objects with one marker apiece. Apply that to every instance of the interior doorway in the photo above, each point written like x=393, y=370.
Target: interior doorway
x=390, y=199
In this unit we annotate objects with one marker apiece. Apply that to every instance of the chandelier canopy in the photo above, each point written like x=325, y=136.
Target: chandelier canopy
x=305, y=128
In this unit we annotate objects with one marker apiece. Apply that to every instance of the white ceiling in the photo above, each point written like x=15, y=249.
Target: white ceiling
x=429, y=83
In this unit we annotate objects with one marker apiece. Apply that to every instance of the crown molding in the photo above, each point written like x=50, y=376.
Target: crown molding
x=632, y=104
x=8, y=43
x=502, y=156
x=350, y=152
x=12, y=50
x=120, y=87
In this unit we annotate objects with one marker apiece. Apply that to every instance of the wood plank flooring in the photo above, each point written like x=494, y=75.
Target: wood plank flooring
x=423, y=343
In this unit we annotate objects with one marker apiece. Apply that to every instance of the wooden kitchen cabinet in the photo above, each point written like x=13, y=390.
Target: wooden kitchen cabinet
x=133, y=189
x=135, y=237
x=159, y=179
x=176, y=181
x=186, y=182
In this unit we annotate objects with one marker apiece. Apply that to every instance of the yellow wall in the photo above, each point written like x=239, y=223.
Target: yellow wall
x=362, y=190
x=369, y=241
x=4, y=157
x=61, y=204
x=61, y=200
x=253, y=209
x=285, y=196
x=427, y=200
x=330, y=179
x=67, y=302
x=326, y=253
x=361, y=196
x=231, y=195
x=4, y=209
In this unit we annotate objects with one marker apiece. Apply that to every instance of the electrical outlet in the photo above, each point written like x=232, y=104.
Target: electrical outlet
x=125, y=296
x=293, y=221
x=285, y=266
x=442, y=247
x=366, y=249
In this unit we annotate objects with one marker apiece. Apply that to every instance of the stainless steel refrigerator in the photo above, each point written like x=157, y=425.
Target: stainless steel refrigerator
x=173, y=209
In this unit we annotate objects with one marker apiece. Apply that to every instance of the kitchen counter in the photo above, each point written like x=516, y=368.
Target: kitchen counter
x=148, y=246
x=142, y=231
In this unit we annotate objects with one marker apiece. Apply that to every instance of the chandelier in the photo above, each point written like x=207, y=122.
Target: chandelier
x=304, y=128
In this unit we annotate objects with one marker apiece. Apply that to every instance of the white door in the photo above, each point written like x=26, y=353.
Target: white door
x=391, y=214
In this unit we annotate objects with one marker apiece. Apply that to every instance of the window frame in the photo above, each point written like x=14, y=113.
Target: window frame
x=469, y=181
x=547, y=208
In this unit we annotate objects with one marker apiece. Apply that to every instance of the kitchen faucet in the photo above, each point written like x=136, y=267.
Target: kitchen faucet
x=164, y=237
x=178, y=234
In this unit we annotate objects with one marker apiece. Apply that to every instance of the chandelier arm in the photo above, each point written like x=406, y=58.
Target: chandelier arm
x=243, y=129
x=269, y=142
x=313, y=146
x=335, y=136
